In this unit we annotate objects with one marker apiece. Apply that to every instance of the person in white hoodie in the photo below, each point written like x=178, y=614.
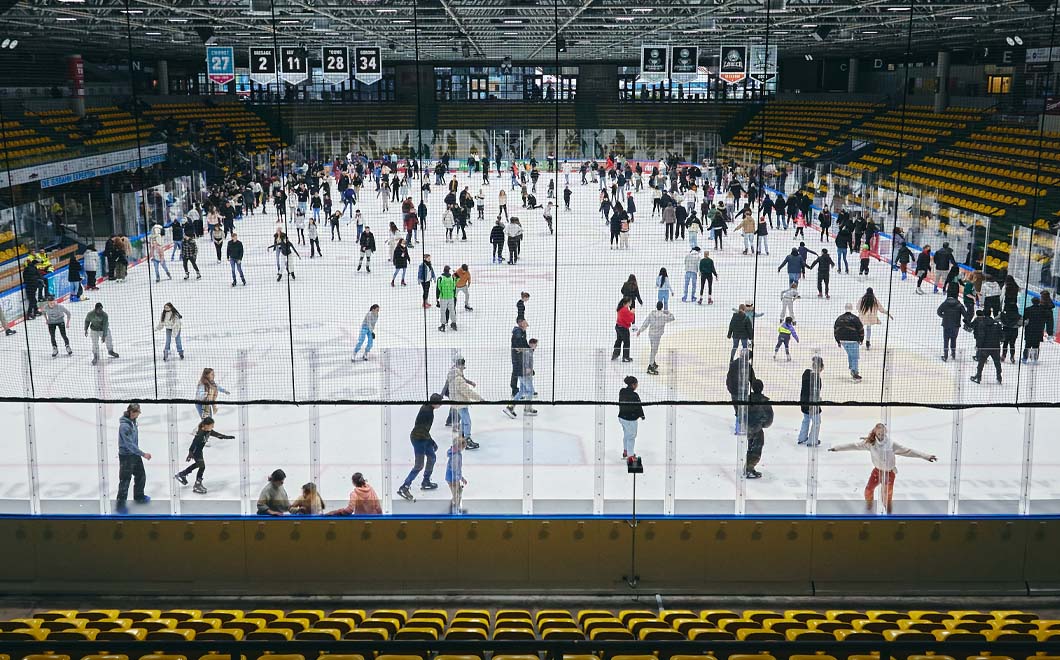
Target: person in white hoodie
x=883, y=451
x=787, y=301
x=691, y=272
x=514, y=232
x=91, y=268
x=655, y=325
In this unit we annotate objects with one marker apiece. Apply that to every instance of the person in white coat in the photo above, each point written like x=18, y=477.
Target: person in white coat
x=883, y=451
x=461, y=391
x=171, y=323
x=787, y=301
x=655, y=325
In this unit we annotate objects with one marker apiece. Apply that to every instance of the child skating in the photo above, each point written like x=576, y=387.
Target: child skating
x=882, y=451
x=454, y=472
x=203, y=432
x=785, y=333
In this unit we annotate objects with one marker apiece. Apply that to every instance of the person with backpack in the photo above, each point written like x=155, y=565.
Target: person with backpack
x=987, y=332
x=1011, y=321
x=759, y=418
x=944, y=260
x=738, y=380
x=203, y=432
x=882, y=451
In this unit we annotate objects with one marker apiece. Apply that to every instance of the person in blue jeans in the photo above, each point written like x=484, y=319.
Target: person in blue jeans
x=424, y=447
x=691, y=271
x=367, y=332
x=809, y=395
x=630, y=412
x=849, y=332
x=662, y=283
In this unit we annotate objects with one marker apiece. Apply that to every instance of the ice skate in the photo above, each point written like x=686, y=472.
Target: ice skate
x=279, y=276
x=55, y=352
x=471, y=444
x=428, y=485
x=509, y=411
x=181, y=478
x=404, y=492
x=69, y=351
x=112, y=354
x=453, y=325
x=752, y=474
x=530, y=412
x=441, y=328
x=469, y=308
x=199, y=488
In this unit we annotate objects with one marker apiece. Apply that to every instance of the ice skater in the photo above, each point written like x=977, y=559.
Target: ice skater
x=283, y=248
x=206, y=392
x=869, y=309
x=424, y=448
x=97, y=323
x=656, y=326
x=526, y=380
x=203, y=432
x=882, y=451
x=759, y=418
x=630, y=412
x=454, y=473
x=367, y=243
x=787, y=301
x=171, y=322
x=130, y=460
x=785, y=333
x=367, y=334
x=58, y=318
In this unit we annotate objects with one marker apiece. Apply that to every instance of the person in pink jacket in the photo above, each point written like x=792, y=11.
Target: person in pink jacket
x=363, y=500
x=883, y=451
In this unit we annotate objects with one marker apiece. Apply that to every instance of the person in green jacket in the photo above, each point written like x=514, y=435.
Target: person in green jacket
x=707, y=273
x=98, y=323
x=445, y=289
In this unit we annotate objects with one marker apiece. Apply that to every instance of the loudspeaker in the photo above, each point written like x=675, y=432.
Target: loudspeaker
x=205, y=34
x=1039, y=5
x=7, y=4
x=821, y=33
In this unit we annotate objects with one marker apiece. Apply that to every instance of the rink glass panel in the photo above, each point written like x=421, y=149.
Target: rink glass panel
x=276, y=344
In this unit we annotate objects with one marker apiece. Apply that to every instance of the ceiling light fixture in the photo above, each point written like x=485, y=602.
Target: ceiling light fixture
x=72, y=1
x=132, y=11
x=643, y=10
x=510, y=34
x=898, y=9
x=961, y=18
x=809, y=25
x=869, y=32
x=402, y=20
x=152, y=34
x=1018, y=40
x=66, y=18
x=513, y=21
x=290, y=21
x=624, y=19
x=177, y=20
x=809, y=58
x=386, y=11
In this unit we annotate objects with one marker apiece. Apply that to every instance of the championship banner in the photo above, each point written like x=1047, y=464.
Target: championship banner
x=335, y=63
x=294, y=65
x=684, y=63
x=732, y=67
x=763, y=65
x=368, y=64
x=263, y=65
x=654, y=63
x=220, y=64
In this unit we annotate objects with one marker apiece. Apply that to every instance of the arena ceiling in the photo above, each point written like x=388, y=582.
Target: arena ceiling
x=473, y=30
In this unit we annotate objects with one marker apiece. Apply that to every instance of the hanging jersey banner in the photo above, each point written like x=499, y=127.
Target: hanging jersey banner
x=335, y=63
x=684, y=63
x=368, y=63
x=732, y=67
x=654, y=63
x=220, y=64
x=763, y=63
x=263, y=65
x=294, y=65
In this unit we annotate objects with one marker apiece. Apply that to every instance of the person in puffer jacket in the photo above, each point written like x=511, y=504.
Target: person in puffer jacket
x=951, y=311
x=461, y=391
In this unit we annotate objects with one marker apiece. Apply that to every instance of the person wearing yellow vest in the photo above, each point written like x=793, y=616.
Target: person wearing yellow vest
x=445, y=289
x=44, y=266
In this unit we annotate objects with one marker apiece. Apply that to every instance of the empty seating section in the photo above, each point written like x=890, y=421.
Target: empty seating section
x=798, y=130
x=24, y=142
x=103, y=128
x=247, y=130
x=309, y=119
x=149, y=625
x=909, y=131
x=704, y=118
x=472, y=116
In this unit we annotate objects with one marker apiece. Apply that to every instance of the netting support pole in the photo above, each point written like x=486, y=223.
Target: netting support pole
x=384, y=438
x=31, y=439
x=102, y=456
x=1028, y=450
x=955, y=440
x=740, y=503
x=885, y=417
x=174, y=448
x=528, y=459
x=314, y=418
x=670, y=487
x=245, y=507
x=599, y=436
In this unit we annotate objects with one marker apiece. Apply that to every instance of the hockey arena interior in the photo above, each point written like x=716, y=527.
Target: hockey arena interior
x=529, y=329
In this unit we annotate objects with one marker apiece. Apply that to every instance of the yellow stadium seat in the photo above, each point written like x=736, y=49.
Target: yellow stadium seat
x=437, y=625
x=312, y=615
x=633, y=657
x=112, y=624
x=340, y=656
x=105, y=656
x=967, y=625
x=156, y=624
x=802, y=615
x=1015, y=625
x=714, y=616
x=562, y=634
x=464, y=622
x=343, y=625
x=783, y=625
x=221, y=635
x=321, y=634
x=181, y=615
x=268, y=615
x=659, y=634
x=388, y=624
x=843, y=615
x=512, y=614
x=710, y=634
x=356, y=615
x=907, y=636
x=805, y=635
x=294, y=625
x=55, y=614
x=759, y=616
x=64, y=624
x=398, y=657
x=754, y=656
x=17, y=624
x=417, y=632
x=172, y=635
x=970, y=615
x=38, y=656
x=224, y=615
x=820, y=656
x=466, y=633
x=603, y=634
x=24, y=635
x=140, y=615
x=199, y=625
x=368, y=633
x=849, y=635
x=511, y=657
x=625, y=615
x=472, y=614
x=401, y=615
x=123, y=635
x=73, y=635
x=514, y=633
x=884, y=615
x=271, y=634
x=1014, y=615
x=871, y=625
x=758, y=635
x=96, y=615
x=958, y=636
x=246, y=625
x=458, y=657
x=282, y=656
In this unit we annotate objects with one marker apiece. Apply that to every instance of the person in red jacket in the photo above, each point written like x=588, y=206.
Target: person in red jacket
x=625, y=318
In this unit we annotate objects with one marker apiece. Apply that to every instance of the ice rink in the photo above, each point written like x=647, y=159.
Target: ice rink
x=291, y=341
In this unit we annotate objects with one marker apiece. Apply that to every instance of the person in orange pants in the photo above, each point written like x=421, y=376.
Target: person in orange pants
x=883, y=451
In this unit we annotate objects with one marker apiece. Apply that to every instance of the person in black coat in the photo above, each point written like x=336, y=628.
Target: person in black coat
x=1036, y=318
x=203, y=433
x=31, y=281
x=519, y=346
x=741, y=329
x=401, y=261
x=824, y=265
x=73, y=275
x=630, y=411
x=809, y=397
x=759, y=418
x=987, y=332
x=951, y=311
x=367, y=242
x=738, y=380
x=632, y=291
x=497, y=241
